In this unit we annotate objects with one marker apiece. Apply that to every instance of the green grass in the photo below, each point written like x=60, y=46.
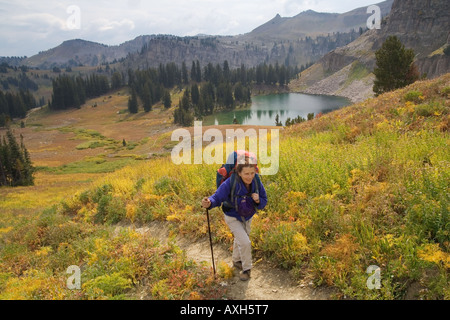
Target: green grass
x=357, y=72
x=37, y=253
x=92, y=165
x=365, y=185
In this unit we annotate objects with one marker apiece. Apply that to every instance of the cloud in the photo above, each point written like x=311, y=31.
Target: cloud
x=28, y=26
x=39, y=22
x=106, y=25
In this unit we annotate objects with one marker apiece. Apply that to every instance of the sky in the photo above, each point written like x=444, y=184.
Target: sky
x=29, y=26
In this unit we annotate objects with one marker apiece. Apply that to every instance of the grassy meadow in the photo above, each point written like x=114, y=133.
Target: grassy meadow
x=367, y=185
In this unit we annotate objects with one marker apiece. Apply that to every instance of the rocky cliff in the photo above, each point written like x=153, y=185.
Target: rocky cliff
x=311, y=22
x=298, y=40
x=424, y=26
x=421, y=25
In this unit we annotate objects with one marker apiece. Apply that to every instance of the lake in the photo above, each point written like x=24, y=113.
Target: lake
x=264, y=109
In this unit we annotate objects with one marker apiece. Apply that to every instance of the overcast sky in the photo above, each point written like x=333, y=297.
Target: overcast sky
x=30, y=26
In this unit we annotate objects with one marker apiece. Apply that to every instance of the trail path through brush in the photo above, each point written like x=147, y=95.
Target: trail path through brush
x=266, y=283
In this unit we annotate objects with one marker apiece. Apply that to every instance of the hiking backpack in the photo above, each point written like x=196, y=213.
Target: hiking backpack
x=228, y=171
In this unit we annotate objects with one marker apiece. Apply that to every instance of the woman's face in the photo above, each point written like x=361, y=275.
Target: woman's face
x=247, y=175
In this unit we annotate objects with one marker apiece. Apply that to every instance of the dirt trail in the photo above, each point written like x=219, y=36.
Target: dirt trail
x=266, y=283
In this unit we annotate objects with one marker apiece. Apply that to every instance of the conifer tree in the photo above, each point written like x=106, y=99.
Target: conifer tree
x=198, y=72
x=239, y=92
x=15, y=164
x=3, y=161
x=133, y=102
x=167, y=100
x=184, y=73
x=185, y=102
x=193, y=71
x=195, y=94
x=147, y=98
x=28, y=167
x=226, y=71
x=116, y=81
x=394, y=66
x=278, y=123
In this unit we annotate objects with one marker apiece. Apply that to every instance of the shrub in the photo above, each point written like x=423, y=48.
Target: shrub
x=429, y=110
x=336, y=260
x=167, y=185
x=446, y=90
x=112, y=286
x=286, y=244
x=110, y=209
x=414, y=96
x=102, y=209
x=224, y=270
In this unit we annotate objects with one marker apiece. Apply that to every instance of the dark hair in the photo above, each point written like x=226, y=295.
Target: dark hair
x=247, y=164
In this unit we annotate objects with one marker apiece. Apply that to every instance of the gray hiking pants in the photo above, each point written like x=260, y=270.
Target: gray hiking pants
x=242, y=248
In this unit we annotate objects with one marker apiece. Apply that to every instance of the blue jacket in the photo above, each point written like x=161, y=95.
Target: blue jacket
x=223, y=194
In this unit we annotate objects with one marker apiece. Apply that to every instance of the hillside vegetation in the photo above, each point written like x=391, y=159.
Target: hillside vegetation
x=335, y=72
x=365, y=185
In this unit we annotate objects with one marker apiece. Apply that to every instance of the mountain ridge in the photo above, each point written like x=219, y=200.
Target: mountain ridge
x=421, y=26
x=322, y=22
x=77, y=52
x=276, y=30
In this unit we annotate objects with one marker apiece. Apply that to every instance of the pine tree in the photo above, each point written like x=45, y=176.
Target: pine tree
x=193, y=72
x=3, y=120
x=184, y=73
x=239, y=93
x=208, y=97
x=133, y=102
x=116, y=81
x=28, y=167
x=16, y=159
x=228, y=98
x=271, y=76
x=394, y=66
x=278, y=123
x=15, y=163
x=198, y=72
x=195, y=94
x=185, y=102
x=3, y=160
x=259, y=74
x=183, y=117
x=167, y=100
x=226, y=71
x=146, y=97
x=282, y=76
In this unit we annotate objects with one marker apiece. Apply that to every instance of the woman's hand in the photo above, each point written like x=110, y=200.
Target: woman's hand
x=206, y=203
x=255, y=198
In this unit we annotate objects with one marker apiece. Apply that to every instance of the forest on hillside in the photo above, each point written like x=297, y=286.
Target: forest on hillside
x=208, y=89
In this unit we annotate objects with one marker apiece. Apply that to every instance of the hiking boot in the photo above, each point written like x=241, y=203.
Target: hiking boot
x=237, y=265
x=245, y=275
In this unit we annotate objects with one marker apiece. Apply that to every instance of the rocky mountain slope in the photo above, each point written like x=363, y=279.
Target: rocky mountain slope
x=300, y=40
x=310, y=23
x=80, y=52
x=421, y=25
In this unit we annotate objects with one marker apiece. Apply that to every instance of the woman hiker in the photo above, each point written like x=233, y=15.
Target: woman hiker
x=239, y=212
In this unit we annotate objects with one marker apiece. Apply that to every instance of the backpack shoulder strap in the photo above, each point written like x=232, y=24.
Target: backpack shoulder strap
x=257, y=183
x=233, y=180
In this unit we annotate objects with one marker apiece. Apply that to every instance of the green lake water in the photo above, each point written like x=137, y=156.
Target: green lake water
x=264, y=109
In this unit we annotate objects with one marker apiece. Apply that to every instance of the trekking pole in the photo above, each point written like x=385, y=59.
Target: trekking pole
x=210, y=241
